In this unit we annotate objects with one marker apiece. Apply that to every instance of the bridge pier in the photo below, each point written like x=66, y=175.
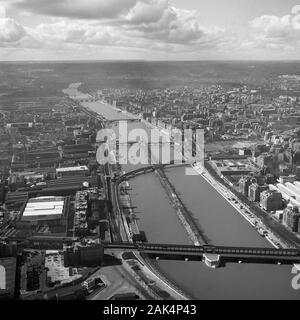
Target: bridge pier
x=212, y=260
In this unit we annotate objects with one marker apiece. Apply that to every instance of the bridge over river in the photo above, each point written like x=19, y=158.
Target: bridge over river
x=213, y=256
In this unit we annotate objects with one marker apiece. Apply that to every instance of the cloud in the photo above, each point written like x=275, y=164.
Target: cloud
x=154, y=19
x=10, y=30
x=159, y=21
x=276, y=32
x=79, y=9
x=66, y=32
x=146, y=12
x=152, y=25
x=178, y=36
x=2, y=12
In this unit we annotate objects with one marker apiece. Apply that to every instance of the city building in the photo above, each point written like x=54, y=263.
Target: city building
x=8, y=267
x=8, y=249
x=271, y=200
x=291, y=218
x=255, y=190
x=81, y=256
x=244, y=184
x=230, y=167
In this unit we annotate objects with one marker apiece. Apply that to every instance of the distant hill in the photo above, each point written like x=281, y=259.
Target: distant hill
x=48, y=78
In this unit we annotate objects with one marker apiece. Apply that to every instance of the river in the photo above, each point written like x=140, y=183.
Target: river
x=222, y=225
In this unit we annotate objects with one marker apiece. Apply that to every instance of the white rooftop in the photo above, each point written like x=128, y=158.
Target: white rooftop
x=44, y=206
x=294, y=190
x=70, y=169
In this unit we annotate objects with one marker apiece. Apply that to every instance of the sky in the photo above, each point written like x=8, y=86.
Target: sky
x=149, y=30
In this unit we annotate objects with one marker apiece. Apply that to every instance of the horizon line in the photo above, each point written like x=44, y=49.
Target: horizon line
x=149, y=60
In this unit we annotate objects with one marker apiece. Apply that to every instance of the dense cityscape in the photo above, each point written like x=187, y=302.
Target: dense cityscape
x=61, y=209
x=149, y=155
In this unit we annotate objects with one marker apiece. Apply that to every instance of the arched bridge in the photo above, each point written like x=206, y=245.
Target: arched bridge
x=125, y=119
x=133, y=173
x=147, y=169
x=211, y=254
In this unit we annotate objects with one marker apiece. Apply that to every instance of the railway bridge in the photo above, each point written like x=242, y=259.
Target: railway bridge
x=144, y=170
x=213, y=256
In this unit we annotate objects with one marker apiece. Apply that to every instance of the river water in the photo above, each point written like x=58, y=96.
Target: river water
x=222, y=225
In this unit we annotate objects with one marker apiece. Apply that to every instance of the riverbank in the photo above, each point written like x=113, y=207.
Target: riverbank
x=239, y=207
x=195, y=234
x=151, y=269
x=242, y=209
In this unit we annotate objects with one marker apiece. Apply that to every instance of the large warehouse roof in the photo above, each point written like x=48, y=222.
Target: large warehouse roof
x=294, y=190
x=44, y=206
x=72, y=169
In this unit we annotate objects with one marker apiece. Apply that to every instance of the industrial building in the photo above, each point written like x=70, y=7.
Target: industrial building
x=44, y=210
x=15, y=200
x=287, y=179
x=290, y=192
x=285, y=196
x=72, y=171
x=80, y=217
x=294, y=189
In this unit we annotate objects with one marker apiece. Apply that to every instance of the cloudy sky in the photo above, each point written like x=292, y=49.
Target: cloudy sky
x=149, y=29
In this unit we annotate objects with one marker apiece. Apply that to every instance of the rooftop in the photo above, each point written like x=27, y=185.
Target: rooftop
x=70, y=169
x=44, y=206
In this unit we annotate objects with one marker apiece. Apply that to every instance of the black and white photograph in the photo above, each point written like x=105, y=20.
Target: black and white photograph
x=149, y=154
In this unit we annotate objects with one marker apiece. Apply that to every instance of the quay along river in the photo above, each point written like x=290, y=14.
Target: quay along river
x=222, y=224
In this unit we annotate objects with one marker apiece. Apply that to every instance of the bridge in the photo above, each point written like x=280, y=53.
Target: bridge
x=128, y=119
x=130, y=143
x=213, y=256
x=134, y=173
x=147, y=169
